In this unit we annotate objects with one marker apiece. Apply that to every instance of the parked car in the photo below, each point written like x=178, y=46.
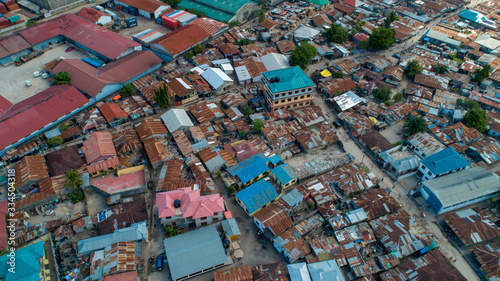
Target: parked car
x=37, y=73
x=69, y=49
x=28, y=83
x=45, y=75
x=396, y=56
x=159, y=262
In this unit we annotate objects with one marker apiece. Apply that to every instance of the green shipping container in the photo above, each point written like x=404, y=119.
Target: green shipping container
x=14, y=18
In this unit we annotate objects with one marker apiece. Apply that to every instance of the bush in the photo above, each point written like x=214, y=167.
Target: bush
x=62, y=78
x=387, y=103
x=127, y=90
x=76, y=195
x=55, y=141
x=232, y=189
x=398, y=97
x=258, y=124
x=383, y=94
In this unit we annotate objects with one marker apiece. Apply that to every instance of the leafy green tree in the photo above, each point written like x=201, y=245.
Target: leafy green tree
x=257, y=124
x=198, y=49
x=416, y=124
x=247, y=111
x=441, y=69
x=172, y=3
x=31, y=23
x=381, y=38
x=233, y=24
x=261, y=15
x=387, y=103
x=476, y=118
x=460, y=102
x=470, y=104
x=62, y=78
x=263, y=4
x=243, y=134
x=232, y=189
x=481, y=74
x=74, y=179
x=383, y=94
x=161, y=96
x=339, y=74
x=76, y=195
x=303, y=55
x=337, y=34
x=189, y=55
x=242, y=42
x=398, y=97
x=392, y=17
x=127, y=90
x=413, y=68
x=55, y=141
x=64, y=127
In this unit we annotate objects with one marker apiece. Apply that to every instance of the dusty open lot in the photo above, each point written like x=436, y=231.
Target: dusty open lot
x=142, y=24
x=14, y=88
x=395, y=132
x=318, y=162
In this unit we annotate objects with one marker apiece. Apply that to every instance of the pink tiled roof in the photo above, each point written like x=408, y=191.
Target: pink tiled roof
x=99, y=145
x=192, y=204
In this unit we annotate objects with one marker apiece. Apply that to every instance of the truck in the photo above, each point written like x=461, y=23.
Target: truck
x=21, y=60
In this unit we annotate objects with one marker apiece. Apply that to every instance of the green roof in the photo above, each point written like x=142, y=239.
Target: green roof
x=319, y=2
x=221, y=10
x=289, y=79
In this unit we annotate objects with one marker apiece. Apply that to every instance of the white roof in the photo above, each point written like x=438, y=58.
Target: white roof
x=216, y=77
x=197, y=70
x=486, y=41
x=298, y=272
x=348, y=100
x=176, y=119
x=226, y=66
x=305, y=32
x=325, y=271
x=275, y=61
x=242, y=73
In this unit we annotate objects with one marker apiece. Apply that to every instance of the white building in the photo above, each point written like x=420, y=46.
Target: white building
x=176, y=119
x=217, y=79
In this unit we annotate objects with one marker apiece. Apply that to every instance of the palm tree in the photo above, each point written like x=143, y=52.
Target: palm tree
x=74, y=179
x=416, y=124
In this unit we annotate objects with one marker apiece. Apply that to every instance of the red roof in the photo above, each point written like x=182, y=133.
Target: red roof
x=43, y=31
x=91, y=14
x=182, y=39
x=91, y=80
x=12, y=44
x=361, y=37
x=38, y=111
x=98, y=146
x=4, y=105
x=211, y=26
x=112, y=111
x=103, y=165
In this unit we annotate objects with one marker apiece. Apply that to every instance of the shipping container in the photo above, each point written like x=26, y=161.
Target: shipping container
x=174, y=13
x=4, y=22
x=151, y=38
x=133, y=11
x=119, y=7
x=147, y=35
x=186, y=19
x=126, y=9
x=169, y=23
x=131, y=22
x=9, y=2
x=99, y=8
x=13, y=7
x=178, y=14
x=113, y=15
x=140, y=34
x=14, y=18
x=158, y=21
x=91, y=62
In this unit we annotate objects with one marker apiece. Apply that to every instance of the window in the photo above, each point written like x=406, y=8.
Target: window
x=297, y=91
x=429, y=173
x=309, y=89
x=290, y=93
x=276, y=102
x=277, y=96
x=303, y=90
x=301, y=104
x=295, y=98
x=283, y=94
x=289, y=99
x=288, y=107
x=295, y=105
x=308, y=96
x=307, y=102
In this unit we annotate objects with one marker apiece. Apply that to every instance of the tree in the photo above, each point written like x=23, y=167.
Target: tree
x=303, y=55
x=242, y=42
x=416, y=124
x=55, y=141
x=247, y=111
x=127, y=90
x=470, y=104
x=172, y=3
x=476, y=118
x=413, y=68
x=74, y=179
x=161, y=96
x=398, y=97
x=481, y=74
x=387, y=103
x=460, y=102
x=381, y=38
x=62, y=78
x=392, y=17
x=31, y=23
x=243, y=134
x=441, y=69
x=198, y=49
x=233, y=24
x=76, y=195
x=339, y=74
x=199, y=13
x=189, y=54
x=257, y=124
x=261, y=15
x=232, y=188
x=337, y=34
x=263, y=4
x=383, y=94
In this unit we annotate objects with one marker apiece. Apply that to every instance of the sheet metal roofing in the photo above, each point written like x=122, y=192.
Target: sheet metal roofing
x=176, y=119
x=325, y=271
x=220, y=10
x=298, y=272
x=250, y=168
x=194, y=251
x=489, y=258
x=257, y=195
x=216, y=77
x=274, y=218
x=135, y=232
x=284, y=174
x=38, y=111
x=463, y=186
x=445, y=161
x=27, y=261
x=230, y=227
x=288, y=79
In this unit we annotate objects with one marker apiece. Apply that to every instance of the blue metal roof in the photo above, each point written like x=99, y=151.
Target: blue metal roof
x=194, y=251
x=471, y=16
x=289, y=79
x=275, y=159
x=257, y=195
x=293, y=198
x=445, y=161
x=27, y=265
x=250, y=168
x=284, y=174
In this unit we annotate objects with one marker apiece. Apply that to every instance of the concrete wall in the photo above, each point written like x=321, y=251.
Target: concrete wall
x=245, y=12
x=10, y=59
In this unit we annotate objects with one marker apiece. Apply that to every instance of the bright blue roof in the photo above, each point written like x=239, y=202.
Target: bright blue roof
x=257, y=195
x=27, y=265
x=289, y=79
x=284, y=174
x=471, y=16
x=250, y=168
x=445, y=161
x=275, y=159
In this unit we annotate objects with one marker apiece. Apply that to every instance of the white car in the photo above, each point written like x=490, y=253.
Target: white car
x=28, y=83
x=37, y=73
x=45, y=75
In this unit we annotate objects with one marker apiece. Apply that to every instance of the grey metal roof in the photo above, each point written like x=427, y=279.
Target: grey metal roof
x=406, y=164
x=325, y=271
x=194, y=251
x=293, y=198
x=298, y=272
x=463, y=186
x=356, y=216
x=231, y=227
x=176, y=119
x=136, y=232
x=215, y=163
x=200, y=145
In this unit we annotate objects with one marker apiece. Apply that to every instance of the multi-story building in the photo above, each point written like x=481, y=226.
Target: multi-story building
x=288, y=88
